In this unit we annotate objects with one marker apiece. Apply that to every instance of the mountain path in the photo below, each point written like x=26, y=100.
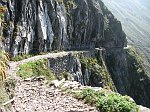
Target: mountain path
x=36, y=96
x=13, y=66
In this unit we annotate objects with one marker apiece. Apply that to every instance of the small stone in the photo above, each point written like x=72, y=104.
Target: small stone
x=91, y=109
x=28, y=79
x=80, y=110
x=73, y=110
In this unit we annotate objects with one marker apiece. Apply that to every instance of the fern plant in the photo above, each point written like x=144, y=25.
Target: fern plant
x=4, y=58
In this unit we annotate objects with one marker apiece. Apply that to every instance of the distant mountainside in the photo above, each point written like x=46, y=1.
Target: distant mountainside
x=135, y=18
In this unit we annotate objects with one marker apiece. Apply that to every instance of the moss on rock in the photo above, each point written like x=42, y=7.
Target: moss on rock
x=99, y=73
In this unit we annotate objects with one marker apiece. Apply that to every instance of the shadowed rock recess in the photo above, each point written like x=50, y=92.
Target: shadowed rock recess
x=34, y=26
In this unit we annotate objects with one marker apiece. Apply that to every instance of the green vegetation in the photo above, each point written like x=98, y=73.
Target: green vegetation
x=4, y=25
x=69, y=4
x=6, y=93
x=21, y=57
x=1, y=16
x=10, y=84
x=3, y=94
x=133, y=56
x=65, y=75
x=25, y=56
x=2, y=10
x=3, y=22
x=138, y=78
x=4, y=58
x=60, y=1
x=16, y=30
x=36, y=68
x=99, y=72
x=108, y=102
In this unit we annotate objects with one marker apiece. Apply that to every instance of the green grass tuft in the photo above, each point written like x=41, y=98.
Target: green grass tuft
x=108, y=102
x=21, y=57
x=36, y=68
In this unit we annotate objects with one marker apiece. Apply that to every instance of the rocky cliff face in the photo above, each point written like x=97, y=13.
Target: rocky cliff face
x=87, y=67
x=33, y=26
x=45, y=25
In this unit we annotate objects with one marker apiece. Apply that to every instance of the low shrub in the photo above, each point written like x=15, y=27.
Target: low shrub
x=108, y=101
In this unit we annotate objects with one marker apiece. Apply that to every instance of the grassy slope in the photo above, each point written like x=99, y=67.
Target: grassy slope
x=36, y=68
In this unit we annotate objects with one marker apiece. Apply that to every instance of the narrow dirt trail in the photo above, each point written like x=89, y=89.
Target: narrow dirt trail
x=13, y=66
x=36, y=96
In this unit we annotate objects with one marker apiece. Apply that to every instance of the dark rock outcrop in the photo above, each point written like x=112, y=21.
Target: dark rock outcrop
x=45, y=25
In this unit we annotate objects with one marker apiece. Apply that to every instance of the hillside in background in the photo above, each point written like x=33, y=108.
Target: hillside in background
x=135, y=18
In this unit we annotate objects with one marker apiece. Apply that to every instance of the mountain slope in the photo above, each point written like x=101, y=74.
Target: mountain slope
x=135, y=18
x=48, y=25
